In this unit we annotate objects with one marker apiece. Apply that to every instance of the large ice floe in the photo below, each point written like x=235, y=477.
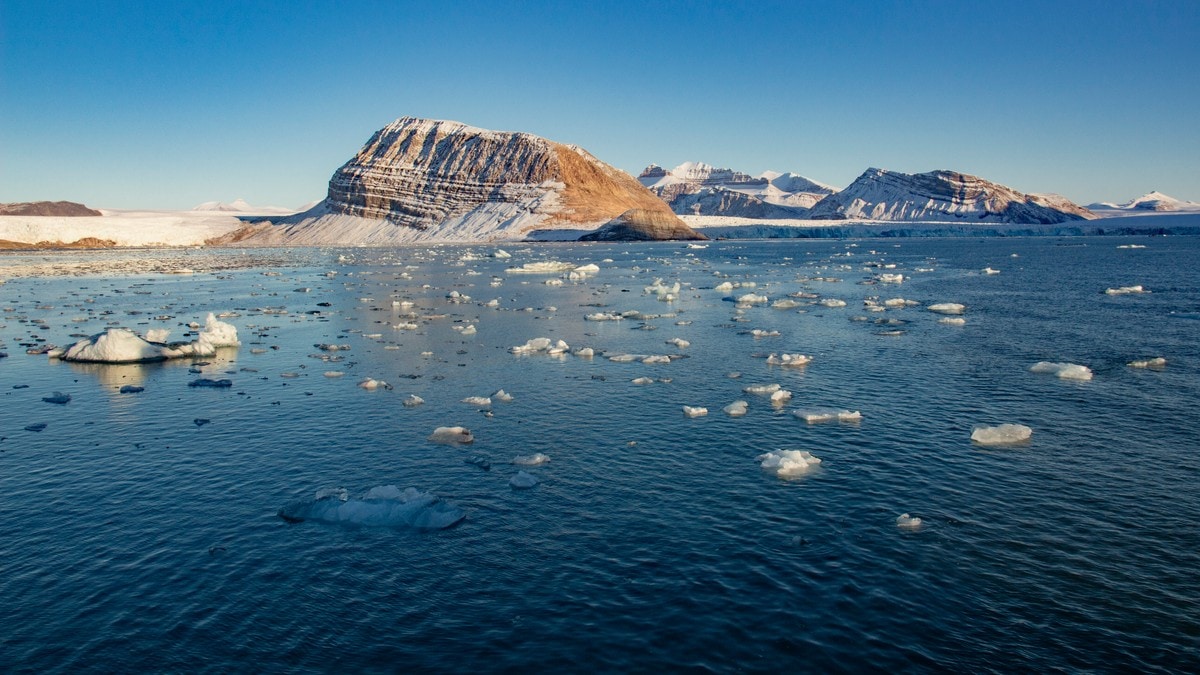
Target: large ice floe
x=788, y=463
x=382, y=506
x=1066, y=371
x=1004, y=434
x=121, y=345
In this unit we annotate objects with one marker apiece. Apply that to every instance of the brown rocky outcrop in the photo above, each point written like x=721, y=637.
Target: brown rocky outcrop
x=59, y=209
x=643, y=225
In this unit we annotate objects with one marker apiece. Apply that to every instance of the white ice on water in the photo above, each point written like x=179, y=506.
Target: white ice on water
x=947, y=308
x=907, y=522
x=1154, y=363
x=412, y=401
x=451, y=435
x=789, y=360
x=1066, y=371
x=788, y=463
x=736, y=409
x=545, y=267
x=1004, y=434
x=536, y=459
x=121, y=345
x=819, y=415
x=697, y=411
x=1126, y=290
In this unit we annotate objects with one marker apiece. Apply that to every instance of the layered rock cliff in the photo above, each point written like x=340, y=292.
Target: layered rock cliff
x=432, y=180
x=879, y=194
x=643, y=225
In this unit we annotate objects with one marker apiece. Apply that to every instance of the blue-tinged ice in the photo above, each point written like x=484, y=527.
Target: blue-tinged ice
x=382, y=506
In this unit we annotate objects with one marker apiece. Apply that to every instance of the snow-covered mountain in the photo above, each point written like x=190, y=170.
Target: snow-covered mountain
x=240, y=206
x=879, y=194
x=435, y=180
x=1151, y=202
x=699, y=189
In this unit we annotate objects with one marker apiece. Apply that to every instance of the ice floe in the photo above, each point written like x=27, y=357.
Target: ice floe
x=545, y=267
x=907, y=522
x=121, y=345
x=736, y=409
x=697, y=411
x=1004, y=434
x=789, y=360
x=523, y=480
x=412, y=401
x=832, y=303
x=1126, y=290
x=762, y=389
x=952, y=321
x=371, y=384
x=535, y=459
x=382, y=506
x=479, y=401
x=502, y=396
x=788, y=463
x=451, y=435
x=819, y=415
x=1066, y=371
x=1154, y=363
x=947, y=308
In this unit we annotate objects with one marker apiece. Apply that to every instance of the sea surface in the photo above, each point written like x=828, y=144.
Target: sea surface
x=141, y=531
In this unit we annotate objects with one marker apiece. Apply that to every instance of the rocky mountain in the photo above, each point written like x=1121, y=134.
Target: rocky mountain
x=695, y=188
x=640, y=225
x=1151, y=202
x=879, y=194
x=59, y=209
x=434, y=180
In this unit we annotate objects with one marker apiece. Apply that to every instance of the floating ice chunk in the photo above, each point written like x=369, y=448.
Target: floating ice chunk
x=989, y=270
x=57, y=397
x=583, y=272
x=762, y=389
x=117, y=345
x=535, y=459
x=523, y=481
x=1005, y=434
x=696, y=411
x=780, y=397
x=785, y=303
x=679, y=342
x=553, y=282
x=907, y=522
x=736, y=409
x=532, y=346
x=469, y=329
x=789, y=360
x=383, y=506
x=891, y=278
x=585, y=353
x=1066, y=371
x=1126, y=290
x=451, y=435
x=502, y=396
x=819, y=415
x=788, y=463
x=831, y=302
x=604, y=316
x=159, y=335
x=643, y=380
x=656, y=358
x=760, y=333
x=217, y=333
x=456, y=297
x=501, y=253
x=900, y=302
x=953, y=321
x=328, y=347
x=405, y=325
x=624, y=358
x=545, y=267
x=1154, y=363
x=215, y=384
x=752, y=299
x=481, y=401
x=371, y=384
x=334, y=373
x=724, y=286
x=412, y=401
x=947, y=308
x=662, y=290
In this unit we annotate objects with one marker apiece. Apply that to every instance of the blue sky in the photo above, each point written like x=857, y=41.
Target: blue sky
x=168, y=104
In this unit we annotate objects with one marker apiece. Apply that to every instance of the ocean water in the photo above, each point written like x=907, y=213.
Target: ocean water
x=141, y=532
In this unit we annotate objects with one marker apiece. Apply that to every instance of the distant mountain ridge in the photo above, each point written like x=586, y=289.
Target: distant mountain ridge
x=59, y=209
x=696, y=188
x=1153, y=201
x=879, y=194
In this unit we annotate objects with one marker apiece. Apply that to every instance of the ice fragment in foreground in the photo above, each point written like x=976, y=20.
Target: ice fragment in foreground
x=383, y=506
x=1005, y=434
x=1066, y=371
x=451, y=435
x=788, y=463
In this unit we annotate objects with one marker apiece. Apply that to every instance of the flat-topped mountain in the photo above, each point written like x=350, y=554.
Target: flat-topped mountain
x=879, y=194
x=1151, y=202
x=696, y=188
x=435, y=180
x=58, y=209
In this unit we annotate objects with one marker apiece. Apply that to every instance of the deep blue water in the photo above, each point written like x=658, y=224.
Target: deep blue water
x=132, y=538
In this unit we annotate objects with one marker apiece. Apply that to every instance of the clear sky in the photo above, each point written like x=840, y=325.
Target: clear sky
x=169, y=103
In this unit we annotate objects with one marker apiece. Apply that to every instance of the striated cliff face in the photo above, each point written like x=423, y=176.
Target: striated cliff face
x=433, y=180
x=879, y=194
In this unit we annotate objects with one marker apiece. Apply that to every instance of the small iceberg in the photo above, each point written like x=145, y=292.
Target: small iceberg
x=679, y=342
x=371, y=384
x=821, y=415
x=789, y=360
x=121, y=345
x=1126, y=290
x=412, y=401
x=831, y=302
x=697, y=411
x=546, y=267
x=1156, y=363
x=1066, y=371
x=762, y=389
x=1005, y=434
x=382, y=506
x=788, y=463
x=451, y=435
x=947, y=308
x=953, y=321
x=535, y=459
x=907, y=522
x=752, y=299
x=479, y=401
x=736, y=409
x=523, y=481
x=502, y=396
